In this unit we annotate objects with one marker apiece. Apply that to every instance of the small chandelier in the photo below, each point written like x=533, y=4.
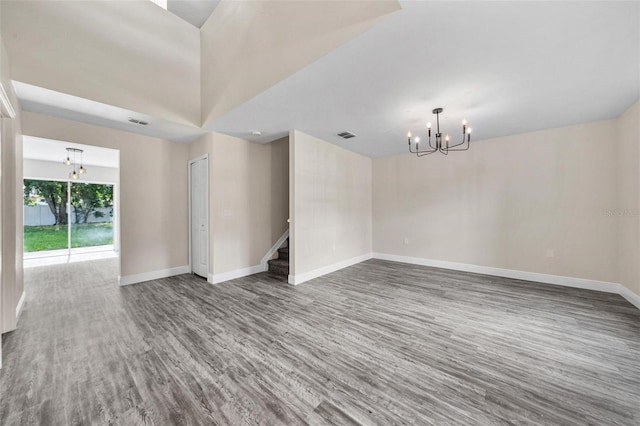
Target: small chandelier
x=440, y=145
x=71, y=152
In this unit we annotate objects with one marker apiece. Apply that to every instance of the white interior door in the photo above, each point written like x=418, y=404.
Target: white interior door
x=199, y=207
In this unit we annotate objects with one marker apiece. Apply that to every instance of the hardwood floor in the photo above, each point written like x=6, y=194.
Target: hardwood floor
x=376, y=343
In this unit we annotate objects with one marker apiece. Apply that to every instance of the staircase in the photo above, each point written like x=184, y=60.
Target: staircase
x=280, y=265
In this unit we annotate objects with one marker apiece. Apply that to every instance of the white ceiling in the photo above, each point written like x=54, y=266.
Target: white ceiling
x=50, y=102
x=508, y=67
x=52, y=150
x=196, y=12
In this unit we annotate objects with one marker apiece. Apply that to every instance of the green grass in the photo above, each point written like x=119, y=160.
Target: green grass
x=54, y=237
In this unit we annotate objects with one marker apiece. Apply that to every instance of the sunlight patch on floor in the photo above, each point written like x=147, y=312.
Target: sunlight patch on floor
x=57, y=257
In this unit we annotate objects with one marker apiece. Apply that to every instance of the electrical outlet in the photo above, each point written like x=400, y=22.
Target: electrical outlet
x=406, y=240
x=551, y=253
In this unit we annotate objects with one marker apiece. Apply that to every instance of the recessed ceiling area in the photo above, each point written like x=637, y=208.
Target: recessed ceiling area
x=507, y=67
x=42, y=149
x=196, y=12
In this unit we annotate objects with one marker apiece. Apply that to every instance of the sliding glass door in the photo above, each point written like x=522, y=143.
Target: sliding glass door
x=92, y=213
x=46, y=225
x=67, y=216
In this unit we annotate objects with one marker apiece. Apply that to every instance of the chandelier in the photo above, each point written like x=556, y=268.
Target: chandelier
x=442, y=146
x=71, y=152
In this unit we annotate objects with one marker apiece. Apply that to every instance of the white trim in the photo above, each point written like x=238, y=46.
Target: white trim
x=232, y=275
x=604, y=286
x=265, y=260
x=20, y=305
x=633, y=298
x=6, y=102
x=153, y=275
x=300, y=278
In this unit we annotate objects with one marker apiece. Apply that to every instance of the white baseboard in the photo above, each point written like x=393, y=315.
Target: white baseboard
x=633, y=298
x=604, y=286
x=232, y=275
x=20, y=305
x=300, y=278
x=153, y=275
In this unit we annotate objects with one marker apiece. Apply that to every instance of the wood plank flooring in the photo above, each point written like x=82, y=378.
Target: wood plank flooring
x=377, y=343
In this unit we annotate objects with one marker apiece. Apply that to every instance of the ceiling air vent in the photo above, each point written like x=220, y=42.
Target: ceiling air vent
x=346, y=135
x=142, y=123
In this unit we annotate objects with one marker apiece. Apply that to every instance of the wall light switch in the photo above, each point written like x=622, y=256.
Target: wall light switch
x=406, y=240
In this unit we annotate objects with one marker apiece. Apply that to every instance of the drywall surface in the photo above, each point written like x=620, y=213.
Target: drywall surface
x=153, y=190
x=330, y=206
x=249, y=200
x=538, y=202
x=627, y=211
x=131, y=54
x=11, y=271
x=247, y=47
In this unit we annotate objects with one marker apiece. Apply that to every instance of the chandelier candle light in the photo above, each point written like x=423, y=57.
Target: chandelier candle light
x=71, y=152
x=441, y=146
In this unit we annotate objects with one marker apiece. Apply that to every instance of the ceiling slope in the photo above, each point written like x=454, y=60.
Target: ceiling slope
x=61, y=105
x=196, y=12
x=247, y=47
x=129, y=54
x=507, y=67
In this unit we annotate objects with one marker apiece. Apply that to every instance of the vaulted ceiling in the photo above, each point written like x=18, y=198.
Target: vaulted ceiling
x=196, y=12
x=507, y=67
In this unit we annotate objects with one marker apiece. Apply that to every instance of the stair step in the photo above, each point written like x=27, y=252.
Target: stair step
x=279, y=267
x=283, y=253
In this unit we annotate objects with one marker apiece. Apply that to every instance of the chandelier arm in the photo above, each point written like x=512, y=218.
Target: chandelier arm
x=423, y=153
x=412, y=151
x=432, y=147
x=461, y=149
x=417, y=151
x=440, y=145
x=453, y=148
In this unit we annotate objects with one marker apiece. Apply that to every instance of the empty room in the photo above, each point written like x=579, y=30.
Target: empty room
x=319, y=212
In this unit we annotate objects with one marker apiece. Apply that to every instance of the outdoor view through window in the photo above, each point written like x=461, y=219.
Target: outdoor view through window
x=59, y=217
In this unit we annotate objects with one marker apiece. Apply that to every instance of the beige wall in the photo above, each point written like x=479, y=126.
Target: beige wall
x=330, y=206
x=131, y=54
x=248, y=46
x=249, y=198
x=628, y=209
x=505, y=202
x=279, y=205
x=11, y=284
x=153, y=195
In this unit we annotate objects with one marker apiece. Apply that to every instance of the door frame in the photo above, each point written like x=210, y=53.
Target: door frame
x=190, y=163
x=7, y=112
